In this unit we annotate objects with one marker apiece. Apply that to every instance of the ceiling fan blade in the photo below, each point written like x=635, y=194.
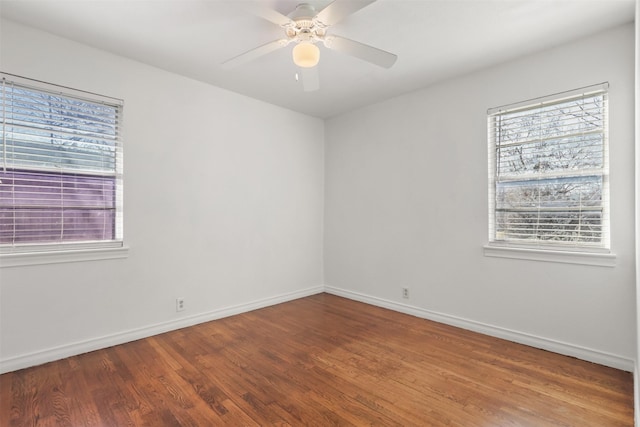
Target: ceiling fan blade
x=310, y=78
x=362, y=51
x=255, y=53
x=261, y=11
x=340, y=9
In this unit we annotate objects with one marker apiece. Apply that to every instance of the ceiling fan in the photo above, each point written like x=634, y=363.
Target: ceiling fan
x=307, y=27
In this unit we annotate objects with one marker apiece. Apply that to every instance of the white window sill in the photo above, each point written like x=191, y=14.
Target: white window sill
x=55, y=257
x=546, y=255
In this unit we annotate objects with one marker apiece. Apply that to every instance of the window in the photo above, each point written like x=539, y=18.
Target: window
x=548, y=172
x=60, y=168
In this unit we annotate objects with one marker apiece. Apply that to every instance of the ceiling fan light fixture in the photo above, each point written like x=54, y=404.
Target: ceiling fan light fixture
x=306, y=55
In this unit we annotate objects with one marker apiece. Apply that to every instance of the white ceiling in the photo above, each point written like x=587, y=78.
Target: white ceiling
x=434, y=40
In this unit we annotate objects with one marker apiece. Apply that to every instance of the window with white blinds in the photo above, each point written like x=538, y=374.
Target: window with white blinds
x=60, y=168
x=548, y=171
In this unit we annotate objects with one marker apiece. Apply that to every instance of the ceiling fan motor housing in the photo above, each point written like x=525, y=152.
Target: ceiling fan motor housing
x=304, y=28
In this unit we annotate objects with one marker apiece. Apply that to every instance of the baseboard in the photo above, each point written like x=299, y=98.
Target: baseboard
x=67, y=350
x=567, y=349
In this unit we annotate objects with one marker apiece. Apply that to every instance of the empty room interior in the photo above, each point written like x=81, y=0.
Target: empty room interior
x=358, y=212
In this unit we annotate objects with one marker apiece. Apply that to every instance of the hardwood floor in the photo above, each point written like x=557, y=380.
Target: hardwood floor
x=321, y=360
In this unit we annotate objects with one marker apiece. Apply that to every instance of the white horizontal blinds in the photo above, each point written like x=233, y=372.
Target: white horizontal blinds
x=61, y=179
x=550, y=182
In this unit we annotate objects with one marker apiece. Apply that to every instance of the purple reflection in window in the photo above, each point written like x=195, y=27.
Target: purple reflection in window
x=40, y=207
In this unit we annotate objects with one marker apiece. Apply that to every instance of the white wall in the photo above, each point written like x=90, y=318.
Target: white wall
x=223, y=206
x=636, y=372
x=406, y=206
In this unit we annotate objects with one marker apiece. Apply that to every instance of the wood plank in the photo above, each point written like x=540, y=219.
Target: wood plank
x=320, y=360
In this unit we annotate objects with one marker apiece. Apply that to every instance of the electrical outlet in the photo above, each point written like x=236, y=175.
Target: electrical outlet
x=405, y=292
x=179, y=304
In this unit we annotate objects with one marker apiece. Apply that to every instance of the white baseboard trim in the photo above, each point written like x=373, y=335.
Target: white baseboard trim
x=56, y=353
x=567, y=349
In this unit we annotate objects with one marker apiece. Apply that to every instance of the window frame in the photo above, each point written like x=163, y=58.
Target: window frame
x=541, y=250
x=19, y=254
